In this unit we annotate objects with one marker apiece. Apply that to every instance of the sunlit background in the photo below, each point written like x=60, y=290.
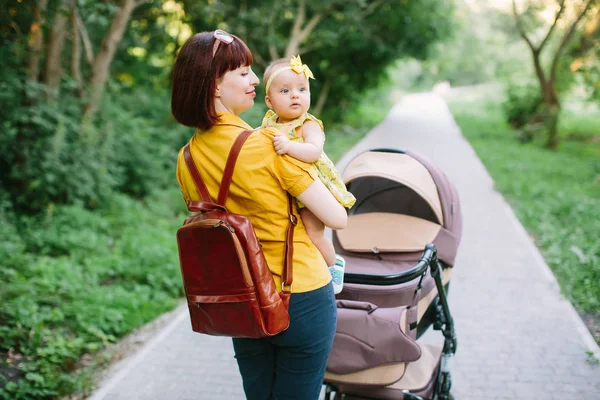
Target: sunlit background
x=89, y=204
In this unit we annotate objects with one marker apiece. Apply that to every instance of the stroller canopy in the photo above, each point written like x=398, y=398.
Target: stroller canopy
x=402, y=203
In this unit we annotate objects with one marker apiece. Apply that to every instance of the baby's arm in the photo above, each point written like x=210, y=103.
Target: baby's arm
x=310, y=150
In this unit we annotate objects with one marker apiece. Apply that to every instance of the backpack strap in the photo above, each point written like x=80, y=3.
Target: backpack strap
x=230, y=166
x=200, y=186
x=288, y=251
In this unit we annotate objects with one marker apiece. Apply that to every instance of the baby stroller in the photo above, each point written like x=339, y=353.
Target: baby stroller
x=400, y=244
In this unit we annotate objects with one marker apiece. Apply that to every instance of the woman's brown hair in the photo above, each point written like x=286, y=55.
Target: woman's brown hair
x=195, y=77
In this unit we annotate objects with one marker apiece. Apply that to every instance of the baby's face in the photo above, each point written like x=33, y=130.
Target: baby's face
x=289, y=95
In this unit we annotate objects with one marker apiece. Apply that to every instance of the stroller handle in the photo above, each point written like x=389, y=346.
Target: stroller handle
x=429, y=256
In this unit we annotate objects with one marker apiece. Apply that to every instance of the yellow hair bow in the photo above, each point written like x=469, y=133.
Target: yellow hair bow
x=299, y=68
x=296, y=66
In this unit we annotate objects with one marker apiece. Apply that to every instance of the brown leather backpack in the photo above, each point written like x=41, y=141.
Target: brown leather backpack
x=228, y=284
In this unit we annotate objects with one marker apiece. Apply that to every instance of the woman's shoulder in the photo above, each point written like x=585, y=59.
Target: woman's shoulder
x=260, y=144
x=263, y=140
x=181, y=154
x=267, y=132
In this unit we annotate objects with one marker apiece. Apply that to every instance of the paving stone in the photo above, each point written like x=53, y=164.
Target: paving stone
x=518, y=338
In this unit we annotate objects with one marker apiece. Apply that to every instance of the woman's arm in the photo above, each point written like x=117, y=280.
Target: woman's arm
x=310, y=150
x=325, y=207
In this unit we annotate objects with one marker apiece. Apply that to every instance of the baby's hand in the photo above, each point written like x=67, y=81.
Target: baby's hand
x=282, y=144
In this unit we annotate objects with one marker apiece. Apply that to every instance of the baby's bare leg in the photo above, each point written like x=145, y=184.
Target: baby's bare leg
x=316, y=232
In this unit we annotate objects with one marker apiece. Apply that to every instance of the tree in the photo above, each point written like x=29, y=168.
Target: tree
x=348, y=44
x=67, y=12
x=58, y=33
x=36, y=39
x=547, y=77
x=50, y=96
x=63, y=57
x=101, y=64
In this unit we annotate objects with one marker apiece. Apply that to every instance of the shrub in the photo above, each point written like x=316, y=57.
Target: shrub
x=555, y=194
x=76, y=280
x=522, y=104
x=146, y=138
x=52, y=157
x=47, y=155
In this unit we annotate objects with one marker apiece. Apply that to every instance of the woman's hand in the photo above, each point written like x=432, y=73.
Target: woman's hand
x=282, y=144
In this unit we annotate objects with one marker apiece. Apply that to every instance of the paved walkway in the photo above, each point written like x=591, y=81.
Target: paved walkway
x=518, y=338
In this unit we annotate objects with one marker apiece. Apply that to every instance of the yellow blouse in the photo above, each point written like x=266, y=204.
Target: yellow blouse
x=260, y=180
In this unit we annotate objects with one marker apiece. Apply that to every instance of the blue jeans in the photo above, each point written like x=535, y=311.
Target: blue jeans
x=291, y=365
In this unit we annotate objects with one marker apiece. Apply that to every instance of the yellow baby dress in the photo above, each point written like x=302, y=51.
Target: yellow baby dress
x=325, y=168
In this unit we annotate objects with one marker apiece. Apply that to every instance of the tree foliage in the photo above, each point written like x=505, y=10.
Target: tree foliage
x=347, y=43
x=86, y=132
x=68, y=135
x=585, y=55
x=557, y=38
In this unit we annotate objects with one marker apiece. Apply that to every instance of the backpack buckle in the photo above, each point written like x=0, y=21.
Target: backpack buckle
x=293, y=219
x=283, y=287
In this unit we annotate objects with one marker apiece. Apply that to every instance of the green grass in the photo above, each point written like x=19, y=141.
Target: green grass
x=75, y=281
x=584, y=125
x=555, y=194
x=579, y=127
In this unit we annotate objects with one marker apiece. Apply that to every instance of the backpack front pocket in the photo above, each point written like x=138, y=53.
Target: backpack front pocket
x=235, y=315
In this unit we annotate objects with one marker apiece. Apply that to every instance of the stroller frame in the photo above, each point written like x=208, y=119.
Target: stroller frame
x=442, y=319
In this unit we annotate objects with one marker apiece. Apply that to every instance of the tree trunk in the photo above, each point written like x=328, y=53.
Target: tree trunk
x=323, y=97
x=550, y=113
x=539, y=72
x=550, y=104
x=53, y=71
x=101, y=65
x=20, y=183
x=76, y=53
x=87, y=43
x=551, y=123
x=294, y=43
x=298, y=35
x=36, y=39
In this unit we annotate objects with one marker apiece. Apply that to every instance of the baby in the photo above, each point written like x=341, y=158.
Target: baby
x=288, y=97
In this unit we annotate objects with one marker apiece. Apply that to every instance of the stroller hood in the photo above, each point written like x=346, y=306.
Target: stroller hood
x=402, y=203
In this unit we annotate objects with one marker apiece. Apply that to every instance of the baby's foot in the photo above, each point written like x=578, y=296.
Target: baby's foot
x=337, y=274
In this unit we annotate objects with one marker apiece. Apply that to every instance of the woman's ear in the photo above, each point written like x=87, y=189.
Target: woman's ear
x=218, y=82
x=268, y=101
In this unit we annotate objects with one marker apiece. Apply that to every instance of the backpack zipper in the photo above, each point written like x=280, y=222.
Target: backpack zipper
x=215, y=223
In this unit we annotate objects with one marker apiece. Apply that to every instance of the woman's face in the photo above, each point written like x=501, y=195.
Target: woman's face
x=235, y=91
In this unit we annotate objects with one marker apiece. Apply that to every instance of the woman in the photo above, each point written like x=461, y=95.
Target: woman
x=212, y=84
